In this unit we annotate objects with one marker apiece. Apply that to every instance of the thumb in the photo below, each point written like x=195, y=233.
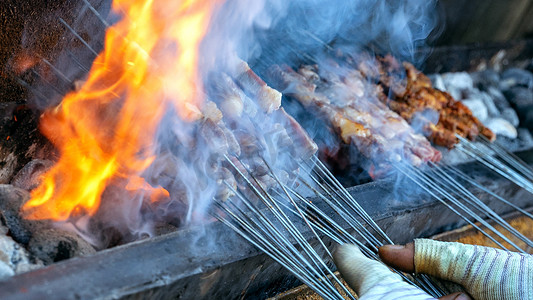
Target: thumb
x=370, y=278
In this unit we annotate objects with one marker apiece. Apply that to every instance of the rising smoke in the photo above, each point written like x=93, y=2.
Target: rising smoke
x=262, y=33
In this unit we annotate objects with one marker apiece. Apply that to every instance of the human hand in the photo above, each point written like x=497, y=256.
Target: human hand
x=485, y=273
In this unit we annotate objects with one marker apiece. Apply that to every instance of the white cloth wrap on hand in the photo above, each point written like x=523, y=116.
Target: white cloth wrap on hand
x=485, y=273
x=372, y=279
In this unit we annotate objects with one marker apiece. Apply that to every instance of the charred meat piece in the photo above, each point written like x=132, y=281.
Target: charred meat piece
x=413, y=96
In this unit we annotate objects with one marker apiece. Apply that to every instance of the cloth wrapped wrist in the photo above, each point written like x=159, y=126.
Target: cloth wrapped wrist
x=485, y=273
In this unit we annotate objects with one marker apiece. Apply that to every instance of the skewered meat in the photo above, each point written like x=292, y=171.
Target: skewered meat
x=413, y=94
x=350, y=105
x=250, y=127
x=268, y=98
x=302, y=145
x=230, y=96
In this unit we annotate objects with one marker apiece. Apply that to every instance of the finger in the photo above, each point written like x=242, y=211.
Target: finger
x=370, y=278
x=456, y=296
x=356, y=269
x=399, y=256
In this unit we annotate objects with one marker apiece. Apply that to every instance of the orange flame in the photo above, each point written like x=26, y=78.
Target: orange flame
x=106, y=130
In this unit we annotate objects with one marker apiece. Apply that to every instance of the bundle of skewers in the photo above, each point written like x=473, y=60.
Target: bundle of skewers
x=274, y=171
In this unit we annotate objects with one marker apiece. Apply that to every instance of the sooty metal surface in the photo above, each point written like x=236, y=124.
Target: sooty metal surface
x=211, y=262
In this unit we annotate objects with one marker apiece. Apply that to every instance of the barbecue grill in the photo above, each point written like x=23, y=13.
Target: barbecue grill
x=211, y=260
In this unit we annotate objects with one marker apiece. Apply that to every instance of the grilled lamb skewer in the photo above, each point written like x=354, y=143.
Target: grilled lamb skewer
x=413, y=96
x=268, y=98
x=350, y=105
x=251, y=117
x=230, y=96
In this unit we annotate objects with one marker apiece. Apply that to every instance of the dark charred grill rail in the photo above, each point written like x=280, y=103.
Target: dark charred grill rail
x=221, y=265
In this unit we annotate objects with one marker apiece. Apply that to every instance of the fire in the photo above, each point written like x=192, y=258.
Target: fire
x=105, y=131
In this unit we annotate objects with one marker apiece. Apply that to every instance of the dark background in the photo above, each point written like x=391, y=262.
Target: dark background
x=484, y=21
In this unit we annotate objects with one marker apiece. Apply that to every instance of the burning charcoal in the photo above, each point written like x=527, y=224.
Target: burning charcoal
x=489, y=103
x=53, y=245
x=487, y=100
x=523, y=141
x=3, y=229
x=21, y=141
x=520, y=97
x=171, y=211
x=485, y=79
x=501, y=127
x=20, y=229
x=28, y=177
x=437, y=82
x=164, y=228
x=510, y=115
x=525, y=137
x=478, y=108
x=5, y=271
x=527, y=119
x=499, y=99
x=9, y=165
x=522, y=100
x=458, y=82
x=516, y=77
x=15, y=256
